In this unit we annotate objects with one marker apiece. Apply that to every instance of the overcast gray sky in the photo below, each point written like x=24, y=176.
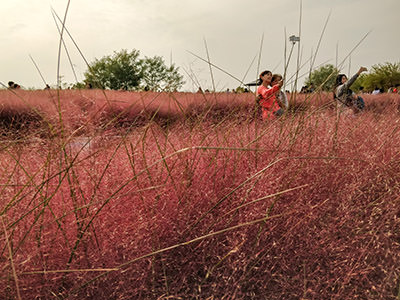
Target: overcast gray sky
x=232, y=30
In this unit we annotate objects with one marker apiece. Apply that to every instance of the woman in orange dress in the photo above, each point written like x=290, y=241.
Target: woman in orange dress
x=266, y=96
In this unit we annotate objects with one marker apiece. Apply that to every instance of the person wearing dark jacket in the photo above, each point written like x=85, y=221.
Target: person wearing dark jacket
x=345, y=96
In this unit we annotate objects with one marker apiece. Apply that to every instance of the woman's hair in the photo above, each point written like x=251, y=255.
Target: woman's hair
x=339, y=80
x=337, y=83
x=259, y=81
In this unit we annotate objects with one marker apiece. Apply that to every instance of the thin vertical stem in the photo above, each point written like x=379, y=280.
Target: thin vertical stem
x=337, y=54
x=37, y=68
x=58, y=72
x=256, y=111
x=311, y=65
x=349, y=66
x=259, y=55
x=285, y=50
x=298, y=49
x=320, y=39
x=209, y=64
x=287, y=63
x=11, y=258
x=66, y=49
x=60, y=43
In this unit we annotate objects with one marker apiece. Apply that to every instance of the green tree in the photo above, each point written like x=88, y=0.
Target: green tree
x=78, y=86
x=125, y=70
x=324, y=76
x=158, y=77
x=173, y=79
x=359, y=83
x=122, y=70
x=381, y=76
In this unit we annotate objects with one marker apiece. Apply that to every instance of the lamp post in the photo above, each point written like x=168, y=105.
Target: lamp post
x=292, y=39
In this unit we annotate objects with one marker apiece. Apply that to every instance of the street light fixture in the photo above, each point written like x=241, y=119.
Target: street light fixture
x=294, y=39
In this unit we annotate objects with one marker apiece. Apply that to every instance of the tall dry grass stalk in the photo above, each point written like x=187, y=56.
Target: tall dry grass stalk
x=10, y=253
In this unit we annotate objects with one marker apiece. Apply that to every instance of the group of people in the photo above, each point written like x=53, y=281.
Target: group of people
x=13, y=85
x=274, y=102
x=307, y=89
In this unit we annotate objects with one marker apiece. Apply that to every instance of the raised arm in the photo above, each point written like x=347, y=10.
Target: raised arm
x=266, y=93
x=342, y=89
x=352, y=79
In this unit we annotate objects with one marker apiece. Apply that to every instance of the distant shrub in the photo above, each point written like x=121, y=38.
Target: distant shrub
x=19, y=122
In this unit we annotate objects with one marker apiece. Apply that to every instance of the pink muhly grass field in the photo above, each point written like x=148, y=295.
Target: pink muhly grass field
x=188, y=196
x=84, y=111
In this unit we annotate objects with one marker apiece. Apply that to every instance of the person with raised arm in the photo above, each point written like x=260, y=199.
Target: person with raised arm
x=346, y=97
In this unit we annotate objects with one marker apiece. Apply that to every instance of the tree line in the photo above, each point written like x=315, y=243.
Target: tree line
x=126, y=70
x=382, y=76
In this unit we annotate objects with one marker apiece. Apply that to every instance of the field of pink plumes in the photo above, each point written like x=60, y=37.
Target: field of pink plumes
x=84, y=112
x=190, y=196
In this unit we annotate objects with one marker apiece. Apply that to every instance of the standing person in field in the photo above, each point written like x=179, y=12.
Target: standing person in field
x=280, y=95
x=266, y=96
x=345, y=95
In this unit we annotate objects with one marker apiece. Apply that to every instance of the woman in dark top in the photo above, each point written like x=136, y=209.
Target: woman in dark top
x=345, y=95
